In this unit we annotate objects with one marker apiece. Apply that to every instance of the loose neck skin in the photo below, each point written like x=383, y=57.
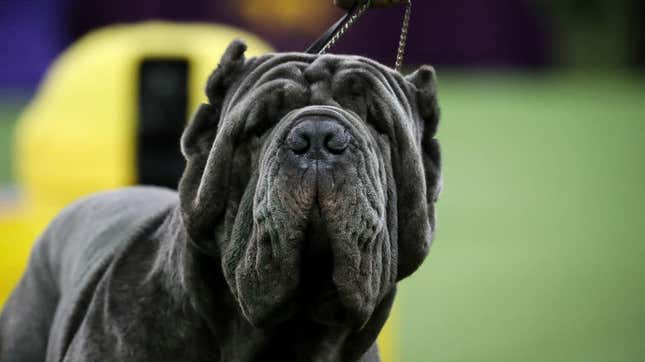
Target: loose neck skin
x=195, y=281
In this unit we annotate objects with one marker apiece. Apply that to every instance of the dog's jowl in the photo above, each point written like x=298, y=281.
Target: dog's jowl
x=308, y=194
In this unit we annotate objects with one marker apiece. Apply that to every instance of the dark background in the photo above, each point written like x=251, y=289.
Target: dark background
x=522, y=34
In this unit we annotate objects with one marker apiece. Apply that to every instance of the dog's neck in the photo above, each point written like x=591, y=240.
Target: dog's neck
x=194, y=278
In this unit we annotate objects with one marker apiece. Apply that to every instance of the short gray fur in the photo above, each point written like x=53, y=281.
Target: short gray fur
x=255, y=258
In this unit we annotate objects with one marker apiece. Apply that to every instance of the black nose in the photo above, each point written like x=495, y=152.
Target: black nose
x=318, y=137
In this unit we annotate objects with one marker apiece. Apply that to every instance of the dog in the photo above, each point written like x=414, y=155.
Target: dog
x=308, y=193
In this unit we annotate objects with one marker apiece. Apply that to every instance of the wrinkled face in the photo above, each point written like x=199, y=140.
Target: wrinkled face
x=318, y=203
x=313, y=180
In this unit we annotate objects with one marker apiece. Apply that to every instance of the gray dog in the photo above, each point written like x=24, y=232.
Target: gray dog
x=308, y=194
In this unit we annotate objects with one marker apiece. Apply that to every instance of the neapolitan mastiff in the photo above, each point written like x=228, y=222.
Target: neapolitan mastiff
x=308, y=193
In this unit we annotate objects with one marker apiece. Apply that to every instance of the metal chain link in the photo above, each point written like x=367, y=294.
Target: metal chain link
x=403, y=40
x=361, y=10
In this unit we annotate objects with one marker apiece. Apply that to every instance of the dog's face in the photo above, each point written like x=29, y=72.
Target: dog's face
x=313, y=180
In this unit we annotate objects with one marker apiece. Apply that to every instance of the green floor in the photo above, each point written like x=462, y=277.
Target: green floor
x=9, y=112
x=540, y=254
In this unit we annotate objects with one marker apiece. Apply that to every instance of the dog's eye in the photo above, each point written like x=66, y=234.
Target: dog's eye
x=378, y=121
x=348, y=85
x=269, y=109
x=265, y=114
x=350, y=93
x=355, y=87
x=353, y=91
x=260, y=119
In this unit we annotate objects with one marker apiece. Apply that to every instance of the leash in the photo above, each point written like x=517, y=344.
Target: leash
x=336, y=31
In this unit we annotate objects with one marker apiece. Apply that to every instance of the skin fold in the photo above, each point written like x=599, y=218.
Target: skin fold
x=308, y=194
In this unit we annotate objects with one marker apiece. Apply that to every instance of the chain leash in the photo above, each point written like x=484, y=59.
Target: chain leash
x=357, y=13
x=403, y=40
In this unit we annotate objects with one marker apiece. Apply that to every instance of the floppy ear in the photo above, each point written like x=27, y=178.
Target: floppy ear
x=425, y=82
x=200, y=133
x=199, y=206
x=417, y=223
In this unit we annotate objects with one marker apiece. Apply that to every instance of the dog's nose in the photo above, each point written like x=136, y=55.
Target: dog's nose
x=318, y=137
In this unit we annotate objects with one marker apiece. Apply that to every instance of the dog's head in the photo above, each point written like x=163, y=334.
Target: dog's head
x=313, y=180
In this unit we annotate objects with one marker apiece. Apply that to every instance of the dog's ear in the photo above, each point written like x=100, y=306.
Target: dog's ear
x=197, y=143
x=200, y=132
x=417, y=219
x=425, y=83
x=424, y=80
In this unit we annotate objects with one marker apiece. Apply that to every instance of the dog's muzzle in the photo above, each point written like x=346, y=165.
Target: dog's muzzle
x=318, y=210
x=318, y=139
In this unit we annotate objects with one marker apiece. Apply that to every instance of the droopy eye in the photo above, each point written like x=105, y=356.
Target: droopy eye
x=349, y=84
x=378, y=120
x=351, y=94
x=260, y=118
x=269, y=109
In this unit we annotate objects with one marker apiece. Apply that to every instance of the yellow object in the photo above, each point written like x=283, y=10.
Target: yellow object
x=78, y=135
x=303, y=17
x=387, y=339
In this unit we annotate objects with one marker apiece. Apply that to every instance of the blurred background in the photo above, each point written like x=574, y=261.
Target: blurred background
x=540, y=248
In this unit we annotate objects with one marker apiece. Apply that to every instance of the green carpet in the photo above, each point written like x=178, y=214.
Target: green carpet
x=9, y=112
x=540, y=247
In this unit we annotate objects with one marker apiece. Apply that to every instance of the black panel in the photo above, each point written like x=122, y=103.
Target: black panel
x=163, y=102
